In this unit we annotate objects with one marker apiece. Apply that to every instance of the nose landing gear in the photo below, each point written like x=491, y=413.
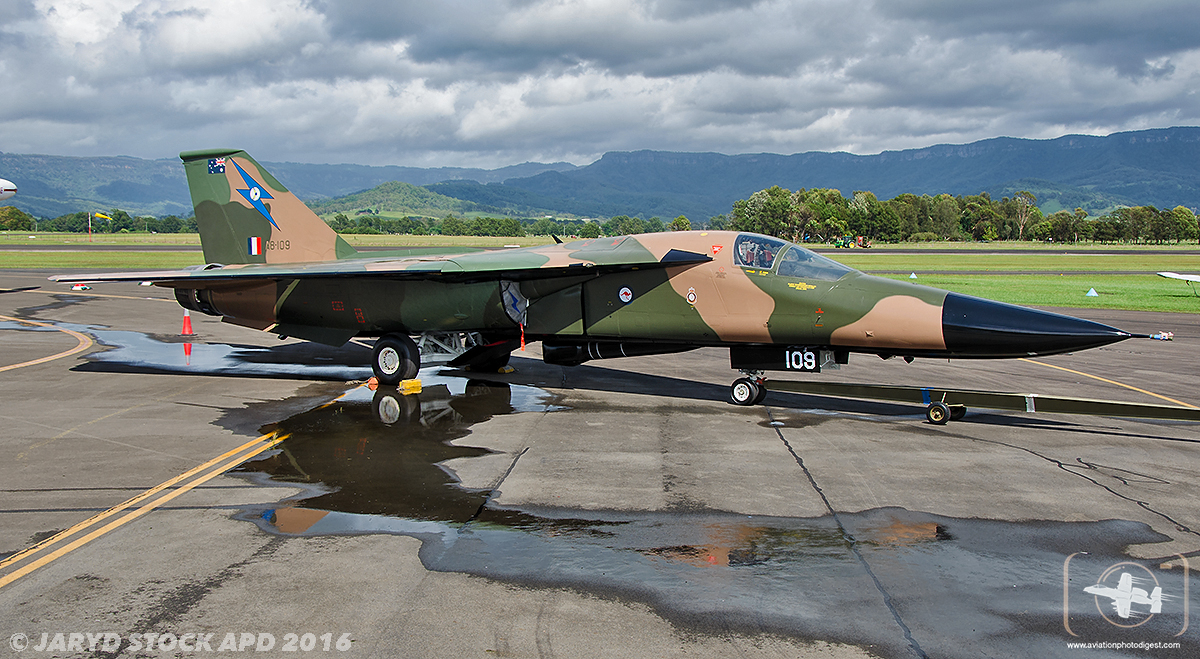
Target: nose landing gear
x=748, y=390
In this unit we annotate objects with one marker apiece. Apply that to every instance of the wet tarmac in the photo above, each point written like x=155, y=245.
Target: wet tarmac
x=947, y=584
x=901, y=580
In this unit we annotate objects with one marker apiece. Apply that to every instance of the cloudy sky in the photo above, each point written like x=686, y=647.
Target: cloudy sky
x=488, y=83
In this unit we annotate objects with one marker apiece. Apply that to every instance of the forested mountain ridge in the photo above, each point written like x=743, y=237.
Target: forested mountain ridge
x=1159, y=167
x=395, y=197
x=50, y=186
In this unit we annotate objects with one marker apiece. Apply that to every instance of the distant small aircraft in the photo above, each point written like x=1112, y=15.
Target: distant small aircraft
x=1125, y=595
x=1190, y=279
x=7, y=189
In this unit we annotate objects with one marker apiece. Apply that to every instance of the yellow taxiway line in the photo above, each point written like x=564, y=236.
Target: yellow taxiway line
x=85, y=342
x=1119, y=384
x=46, y=552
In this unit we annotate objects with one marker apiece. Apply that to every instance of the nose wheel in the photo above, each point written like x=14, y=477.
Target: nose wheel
x=747, y=391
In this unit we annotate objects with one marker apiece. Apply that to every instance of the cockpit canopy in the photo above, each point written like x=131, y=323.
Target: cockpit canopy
x=762, y=252
x=752, y=251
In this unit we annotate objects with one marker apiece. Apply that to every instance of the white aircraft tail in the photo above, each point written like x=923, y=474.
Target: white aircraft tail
x=1156, y=600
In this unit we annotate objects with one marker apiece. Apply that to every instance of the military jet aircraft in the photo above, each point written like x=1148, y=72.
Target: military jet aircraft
x=273, y=265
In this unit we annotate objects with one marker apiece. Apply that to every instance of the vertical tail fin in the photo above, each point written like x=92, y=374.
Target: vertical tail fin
x=246, y=216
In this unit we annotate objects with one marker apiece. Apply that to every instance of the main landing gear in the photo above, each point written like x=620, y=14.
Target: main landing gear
x=396, y=358
x=748, y=390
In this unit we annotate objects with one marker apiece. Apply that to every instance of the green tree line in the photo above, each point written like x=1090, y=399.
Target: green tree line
x=816, y=215
x=117, y=221
x=821, y=215
x=452, y=225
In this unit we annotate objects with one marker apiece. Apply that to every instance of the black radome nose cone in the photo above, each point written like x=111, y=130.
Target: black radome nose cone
x=975, y=327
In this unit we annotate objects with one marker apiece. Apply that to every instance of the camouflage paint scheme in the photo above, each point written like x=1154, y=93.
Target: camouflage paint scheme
x=284, y=270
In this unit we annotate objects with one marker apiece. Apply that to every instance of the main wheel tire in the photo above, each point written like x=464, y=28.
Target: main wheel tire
x=938, y=413
x=743, y=391
x=957, y=412
x=396, y=358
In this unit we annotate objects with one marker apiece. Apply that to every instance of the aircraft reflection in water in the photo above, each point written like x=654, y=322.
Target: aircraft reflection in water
x=378, y=460
x=380, y=452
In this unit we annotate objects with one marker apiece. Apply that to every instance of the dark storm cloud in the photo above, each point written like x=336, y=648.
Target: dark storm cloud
x=473, y=82
x=1125, y=35
x=659, y=39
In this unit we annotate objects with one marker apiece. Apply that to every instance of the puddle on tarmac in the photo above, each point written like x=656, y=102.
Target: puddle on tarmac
x=379, y=453
x=370, y=463
x=135, y=352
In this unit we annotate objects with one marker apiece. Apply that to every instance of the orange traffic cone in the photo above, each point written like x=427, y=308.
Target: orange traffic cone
x=187, y=324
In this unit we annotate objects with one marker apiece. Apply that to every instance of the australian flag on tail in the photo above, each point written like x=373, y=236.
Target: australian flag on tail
x=216, y=165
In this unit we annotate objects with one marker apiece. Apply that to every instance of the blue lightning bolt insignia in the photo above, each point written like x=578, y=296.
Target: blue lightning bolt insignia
x=255, y=193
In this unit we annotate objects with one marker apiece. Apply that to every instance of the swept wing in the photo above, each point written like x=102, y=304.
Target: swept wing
x=597, y=256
